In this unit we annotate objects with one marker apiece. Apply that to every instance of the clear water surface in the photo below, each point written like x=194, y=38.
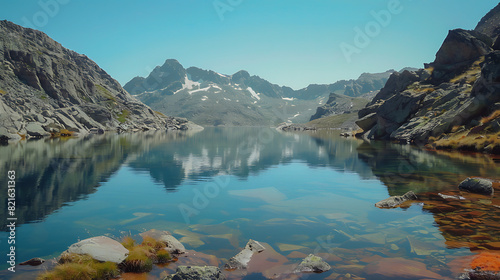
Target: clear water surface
x=215, y=189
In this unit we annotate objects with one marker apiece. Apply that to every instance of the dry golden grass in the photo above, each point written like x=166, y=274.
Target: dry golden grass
x=153, y=243
x=128, y=242
x=80, y=267
x=480, y=143
x=491, y=117
x=140, y=259
x=471, y=74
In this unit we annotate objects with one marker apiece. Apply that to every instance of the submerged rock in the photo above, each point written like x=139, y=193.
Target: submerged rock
x=173, y=246
x=479, y=275
x=241, y=260
x=33, y=262
x=313, y=263
x=197, y=273
x=394, y=201
x=100, y=248
x=477, y=185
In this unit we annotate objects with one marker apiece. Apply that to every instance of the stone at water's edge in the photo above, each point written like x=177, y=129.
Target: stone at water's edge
x=241, y=260
x=197, y=273
x=100, y=248
x=313, y=263
x=33, y=262
x=173, y=246
x=394, y=201
x=477, y=185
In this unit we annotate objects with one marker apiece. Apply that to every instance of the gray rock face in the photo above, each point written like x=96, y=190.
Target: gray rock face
x=197, y=273
x=477, y=185
x=396, y=83
x=36, y=130
x=459, y=50
x=100, y=248
x=241, y=260
x=43, y=83
x=173, y=245
x=367, y=122
x=313, y=263
x=490, y=23
x=394, y=201
x=462, y=45
x=452, y=94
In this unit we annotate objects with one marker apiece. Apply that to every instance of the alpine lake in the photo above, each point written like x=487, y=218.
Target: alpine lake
x=297, y=193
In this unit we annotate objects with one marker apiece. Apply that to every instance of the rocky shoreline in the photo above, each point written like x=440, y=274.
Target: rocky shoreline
x=123, y=257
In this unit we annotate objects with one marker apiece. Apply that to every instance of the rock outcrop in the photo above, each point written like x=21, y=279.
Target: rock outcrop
x=454, y=96
x=197, y=273
x=396, y=200
x=313, y=263
x=477, y=185
x=241, y=260
x=46, y=89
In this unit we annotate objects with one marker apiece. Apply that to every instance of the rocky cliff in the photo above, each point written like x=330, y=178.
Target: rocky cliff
x=452, y=103
x=46, y=89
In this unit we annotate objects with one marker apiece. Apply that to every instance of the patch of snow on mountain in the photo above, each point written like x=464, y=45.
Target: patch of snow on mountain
x=204, y=98
x=198, y=90
x=188, y=84
x=288, y=98
x=254, y=94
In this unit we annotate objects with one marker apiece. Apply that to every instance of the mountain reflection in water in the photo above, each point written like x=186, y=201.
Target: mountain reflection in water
x=295, y=191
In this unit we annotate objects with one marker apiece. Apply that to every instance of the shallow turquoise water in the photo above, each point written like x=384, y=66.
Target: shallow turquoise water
x=217, y=188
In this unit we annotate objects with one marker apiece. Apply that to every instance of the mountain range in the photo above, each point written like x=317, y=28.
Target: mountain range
x=211, y=98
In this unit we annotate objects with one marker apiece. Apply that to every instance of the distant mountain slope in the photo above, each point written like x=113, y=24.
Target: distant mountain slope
x=211, y=98
x=350, y=96
x=45, y=88
x=454, y=102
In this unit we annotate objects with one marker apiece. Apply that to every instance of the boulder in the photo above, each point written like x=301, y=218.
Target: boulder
x=367, y=122
x=36, y=130
x=479, y=275
x=241, y=260
x=173, y=246
x=462, y=45
x=394, y=201
x=33, y=262
x=477, y=185
x=313, y=263
x=459, y=50
x=100, y=248
x=197, y=273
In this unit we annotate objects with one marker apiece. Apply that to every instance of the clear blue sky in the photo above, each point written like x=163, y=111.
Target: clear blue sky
x=288, y=42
